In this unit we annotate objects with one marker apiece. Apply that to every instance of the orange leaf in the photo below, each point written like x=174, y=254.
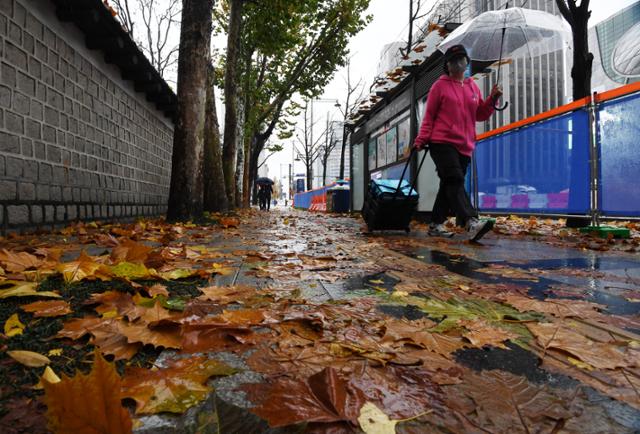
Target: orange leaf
x=47, y=308
x=106, y=335
x=130, y=251
x=158, y=289
x=88, y=403
x=120, y=302
x=175, y=388
x=84, y=267
x=229, y=222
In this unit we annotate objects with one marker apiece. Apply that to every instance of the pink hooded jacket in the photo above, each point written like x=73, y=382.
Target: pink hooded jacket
x=452, y=112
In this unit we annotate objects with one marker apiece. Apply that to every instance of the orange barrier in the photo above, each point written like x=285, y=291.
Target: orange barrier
x=319, y=203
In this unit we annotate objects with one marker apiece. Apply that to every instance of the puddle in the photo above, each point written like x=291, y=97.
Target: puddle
x=595, y=289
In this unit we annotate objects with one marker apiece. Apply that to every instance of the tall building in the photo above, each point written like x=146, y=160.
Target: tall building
x=615, y=44
x=333, y=162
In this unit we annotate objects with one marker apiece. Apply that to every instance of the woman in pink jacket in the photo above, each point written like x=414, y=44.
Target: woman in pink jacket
x=454, y=106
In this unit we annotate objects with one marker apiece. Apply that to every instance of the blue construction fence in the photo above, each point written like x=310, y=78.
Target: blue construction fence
x=545, y=166
x=305, y=199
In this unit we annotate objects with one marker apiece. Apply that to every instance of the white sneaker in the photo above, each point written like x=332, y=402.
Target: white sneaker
x=439, y=230
x=476, y=228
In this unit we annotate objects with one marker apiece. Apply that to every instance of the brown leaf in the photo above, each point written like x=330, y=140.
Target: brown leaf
x=599, y=355
x=503, y=402
x=227, y=294
x=556, y=307
x=157, y=289
x=24, y=416
x=323, y=397
x=402, y=332
x=229, y=222
x=174, y=388
x=19, y=262
x=166, y=336
x=47, y=308
x=215, y=337
x=88, y=404
x=106, y=334
x=121, y=303
x=481, y=333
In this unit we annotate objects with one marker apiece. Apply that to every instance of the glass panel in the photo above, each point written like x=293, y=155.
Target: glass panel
x=392, y=145
x=357, y=183
x=372, y=154
x=404, y=136
x=382, y=150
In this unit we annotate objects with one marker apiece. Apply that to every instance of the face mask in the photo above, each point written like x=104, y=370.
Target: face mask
x=457, y=66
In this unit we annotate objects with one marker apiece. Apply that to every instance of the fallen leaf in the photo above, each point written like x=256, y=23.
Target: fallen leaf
x=157, y=290
x=51, y=308
x=480, y=333
x=50, y=376
x=88, y=404
x=13, y=326
x=131, y=271
x=25, y=289
x=229, y=222
x=552, y=336
x=29, y=358
x=19, y=262
x=55, y=352
x=323, y=397
x=372, y=420
x=130, y=251
x=84, y=267
x=173, y=389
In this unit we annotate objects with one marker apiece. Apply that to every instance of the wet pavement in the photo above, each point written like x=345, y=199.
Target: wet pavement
x=317, y=318
x=328, y=259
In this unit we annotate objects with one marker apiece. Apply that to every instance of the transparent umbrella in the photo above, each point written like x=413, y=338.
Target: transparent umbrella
x=492, y=35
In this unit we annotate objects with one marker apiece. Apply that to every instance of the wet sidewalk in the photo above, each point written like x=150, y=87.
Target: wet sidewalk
x=333, y=330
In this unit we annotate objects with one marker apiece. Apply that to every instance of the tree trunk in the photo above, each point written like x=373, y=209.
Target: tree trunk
x=215, y=196
x=309, y=177
x=324, y=171
x=582, y=60
x=186, y=190
x=239, y=176
x=253, y=167
x=229, y=150
x=246, y=179
x=342, y=150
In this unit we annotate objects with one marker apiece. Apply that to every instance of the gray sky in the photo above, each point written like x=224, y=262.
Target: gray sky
x=389, y=24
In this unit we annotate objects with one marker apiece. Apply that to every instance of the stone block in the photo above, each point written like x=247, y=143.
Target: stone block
x=40, y=150
x=26, y=191
x=45, y=173
x=37, y=110
x=49, y=213
x=26, y=146
x=82, y=212
x=6, y=7
x=41, y=52
x=28, y=43
x=20, y=103
x=18, y=214
x=72, y=212
x=8, y=74
x=14, y=33
x=67, y=194
x=8, y=190
x=48, y=134
x=5, y=96
x=42, y=192
x=34, y=26
x=9, y=143
x=51, y=116
x=15, y=55
x=56, y=193
x=30, y=169
x=14, y=167
x=20, y=14
x=14, y=122
x=61, y=213
x=36, y=214
x=54, y=154
x=33, y=129
x=26, y=84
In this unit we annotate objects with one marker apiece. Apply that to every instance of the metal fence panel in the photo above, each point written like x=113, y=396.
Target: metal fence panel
x=619, y=141
x=539, y=168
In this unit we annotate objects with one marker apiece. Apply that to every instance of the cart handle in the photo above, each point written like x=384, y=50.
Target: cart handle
x=415, y=180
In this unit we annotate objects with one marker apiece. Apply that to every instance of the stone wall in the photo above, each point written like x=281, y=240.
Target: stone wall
x=76, y=140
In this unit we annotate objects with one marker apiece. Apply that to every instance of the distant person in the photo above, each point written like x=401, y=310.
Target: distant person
x=261, y=196
x=268, y=190
x=454, y=106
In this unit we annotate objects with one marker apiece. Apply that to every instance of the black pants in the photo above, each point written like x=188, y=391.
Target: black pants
x=452, y=197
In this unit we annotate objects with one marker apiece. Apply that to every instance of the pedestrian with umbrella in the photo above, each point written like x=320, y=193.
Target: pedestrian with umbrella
x=454, y=105
x=265, y=189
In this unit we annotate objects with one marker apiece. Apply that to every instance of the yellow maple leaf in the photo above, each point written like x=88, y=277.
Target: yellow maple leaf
x=13, y=326
x=70, y=410
x=24, y=289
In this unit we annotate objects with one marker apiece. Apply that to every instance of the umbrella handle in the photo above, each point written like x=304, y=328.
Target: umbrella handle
x=504, y=107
